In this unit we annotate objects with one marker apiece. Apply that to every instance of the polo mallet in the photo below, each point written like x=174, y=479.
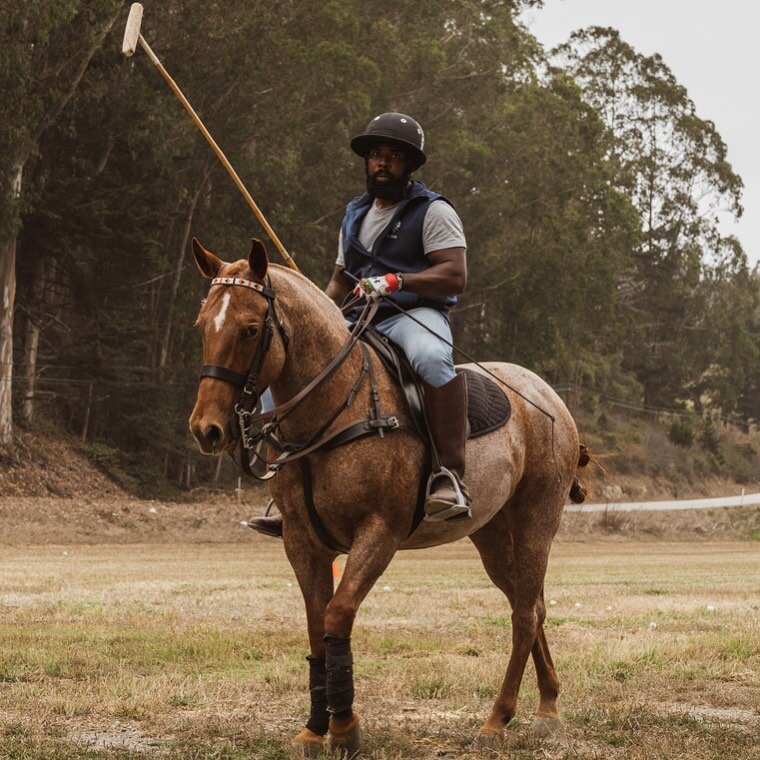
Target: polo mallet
x=132, y=37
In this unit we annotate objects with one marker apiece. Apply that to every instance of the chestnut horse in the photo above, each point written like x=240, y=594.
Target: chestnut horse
x=366, y=492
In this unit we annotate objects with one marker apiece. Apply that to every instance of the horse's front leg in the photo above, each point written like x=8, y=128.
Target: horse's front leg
x=313, y=568
x=372, y=549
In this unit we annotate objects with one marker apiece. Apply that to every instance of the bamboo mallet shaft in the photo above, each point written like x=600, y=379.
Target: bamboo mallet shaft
x=132, y=37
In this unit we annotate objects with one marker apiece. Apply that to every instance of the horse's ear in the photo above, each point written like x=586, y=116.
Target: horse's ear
x=258, y=260
x=206, y=261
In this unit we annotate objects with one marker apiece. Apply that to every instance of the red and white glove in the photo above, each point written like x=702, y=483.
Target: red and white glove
x=375, y=287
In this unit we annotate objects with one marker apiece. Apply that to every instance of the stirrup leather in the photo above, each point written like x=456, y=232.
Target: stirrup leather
x=460, y=509
x=269, y=470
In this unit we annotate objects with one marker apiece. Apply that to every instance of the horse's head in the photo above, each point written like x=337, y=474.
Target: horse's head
x=237, y=330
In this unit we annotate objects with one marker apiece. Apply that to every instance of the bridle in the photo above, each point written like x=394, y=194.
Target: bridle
x=241, y=418
x=244, y=416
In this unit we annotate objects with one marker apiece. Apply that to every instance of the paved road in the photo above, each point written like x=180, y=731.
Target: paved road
x=742, y=500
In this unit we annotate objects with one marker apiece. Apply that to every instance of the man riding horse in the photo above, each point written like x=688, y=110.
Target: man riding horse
x=405, y=243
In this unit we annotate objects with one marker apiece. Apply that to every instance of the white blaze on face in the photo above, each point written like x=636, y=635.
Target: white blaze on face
x=219, y=318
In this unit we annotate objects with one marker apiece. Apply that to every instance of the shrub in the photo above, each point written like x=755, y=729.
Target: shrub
x=681, y=432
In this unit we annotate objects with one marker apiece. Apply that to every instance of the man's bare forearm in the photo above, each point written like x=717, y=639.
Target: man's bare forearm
x=339, y=287
x=446, y=277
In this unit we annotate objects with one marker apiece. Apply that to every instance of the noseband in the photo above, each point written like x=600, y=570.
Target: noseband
x=246, y=404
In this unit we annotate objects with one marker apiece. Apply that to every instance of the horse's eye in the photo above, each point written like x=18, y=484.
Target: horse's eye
x=251, y=331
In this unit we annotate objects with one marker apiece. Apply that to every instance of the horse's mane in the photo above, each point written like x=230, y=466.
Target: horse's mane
x=303, y=300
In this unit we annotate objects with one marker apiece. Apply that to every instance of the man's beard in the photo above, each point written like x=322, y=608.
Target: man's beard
x=392, y=189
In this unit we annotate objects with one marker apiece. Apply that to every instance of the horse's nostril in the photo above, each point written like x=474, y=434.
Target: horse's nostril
x=214, y=434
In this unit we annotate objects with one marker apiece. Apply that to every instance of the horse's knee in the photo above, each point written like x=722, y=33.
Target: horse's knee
x=339, y=617
x=524, y=624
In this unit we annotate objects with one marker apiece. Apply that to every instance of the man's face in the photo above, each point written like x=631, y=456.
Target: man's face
x=387, y=172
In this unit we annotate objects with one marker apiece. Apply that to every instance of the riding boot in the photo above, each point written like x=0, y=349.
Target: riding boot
x=446, y=408
x=269, y=526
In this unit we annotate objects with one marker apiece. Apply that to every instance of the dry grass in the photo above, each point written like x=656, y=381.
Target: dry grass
x=197, y=651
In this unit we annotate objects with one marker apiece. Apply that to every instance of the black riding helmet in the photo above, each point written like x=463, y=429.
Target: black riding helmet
x=397, y=129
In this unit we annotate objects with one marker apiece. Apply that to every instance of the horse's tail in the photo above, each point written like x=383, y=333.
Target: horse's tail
x=578, y=492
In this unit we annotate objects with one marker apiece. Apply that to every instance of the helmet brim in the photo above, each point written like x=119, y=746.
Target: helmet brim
x=362, y=144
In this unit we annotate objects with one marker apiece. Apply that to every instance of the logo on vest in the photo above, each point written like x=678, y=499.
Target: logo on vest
x=393, y=234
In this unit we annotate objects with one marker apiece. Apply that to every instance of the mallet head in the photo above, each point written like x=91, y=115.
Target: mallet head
x=132, y=32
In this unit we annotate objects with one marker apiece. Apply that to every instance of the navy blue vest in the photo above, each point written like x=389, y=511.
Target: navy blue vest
x=398, y=248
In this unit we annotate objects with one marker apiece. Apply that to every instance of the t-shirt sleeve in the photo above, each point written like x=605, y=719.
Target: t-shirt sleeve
x=341, y=260
x=442, y=228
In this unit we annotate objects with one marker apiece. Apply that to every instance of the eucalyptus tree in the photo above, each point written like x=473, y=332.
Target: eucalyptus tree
x=673, y=164
x=44, y=53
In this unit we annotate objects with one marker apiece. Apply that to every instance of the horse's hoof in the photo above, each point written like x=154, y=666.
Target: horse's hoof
x=346, y=737
x=489, y=739
x=307, y=744
x=546, y=726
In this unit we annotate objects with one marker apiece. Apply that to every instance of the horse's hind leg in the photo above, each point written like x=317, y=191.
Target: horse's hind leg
x=518, y=571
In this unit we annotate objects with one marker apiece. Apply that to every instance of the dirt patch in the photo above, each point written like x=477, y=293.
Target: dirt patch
x=726, y=523
x=120, y=519
x=744, y=720
x=119, y=734
x=44, y=466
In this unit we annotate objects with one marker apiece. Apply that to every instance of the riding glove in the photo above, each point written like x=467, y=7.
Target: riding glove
x=375, y=287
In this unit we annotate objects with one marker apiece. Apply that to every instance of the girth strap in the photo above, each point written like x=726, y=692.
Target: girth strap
x=314, y=518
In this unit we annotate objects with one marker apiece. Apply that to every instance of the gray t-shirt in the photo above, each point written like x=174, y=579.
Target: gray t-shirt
x=441, y=229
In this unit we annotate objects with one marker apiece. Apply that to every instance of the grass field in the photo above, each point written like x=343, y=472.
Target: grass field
x=197, y=651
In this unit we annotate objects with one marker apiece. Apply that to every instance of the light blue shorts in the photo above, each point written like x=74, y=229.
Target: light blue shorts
x=432, y=359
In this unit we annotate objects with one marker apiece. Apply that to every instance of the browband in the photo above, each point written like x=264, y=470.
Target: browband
x=243, y=283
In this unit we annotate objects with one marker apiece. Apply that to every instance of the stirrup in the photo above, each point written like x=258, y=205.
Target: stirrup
x=253, y=522
x=459, y=510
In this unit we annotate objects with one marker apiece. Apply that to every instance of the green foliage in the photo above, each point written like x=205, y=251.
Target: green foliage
x=592, y=260
x=687, y=297
x=681, y=432
x=710, y=439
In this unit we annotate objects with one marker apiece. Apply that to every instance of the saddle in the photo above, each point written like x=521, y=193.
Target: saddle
x=488, y=407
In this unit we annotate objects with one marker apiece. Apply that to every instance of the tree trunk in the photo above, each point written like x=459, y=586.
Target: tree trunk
x=178, y=265
x=7, y=306
x=87, y=413
x=218, y=470
x=32, y=341
x=31, y=344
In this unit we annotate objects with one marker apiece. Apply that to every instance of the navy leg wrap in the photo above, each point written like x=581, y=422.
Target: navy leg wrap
x=319, y=718
x=340, y=676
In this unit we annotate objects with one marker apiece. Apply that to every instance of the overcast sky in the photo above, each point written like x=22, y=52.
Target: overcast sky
x=711, y=47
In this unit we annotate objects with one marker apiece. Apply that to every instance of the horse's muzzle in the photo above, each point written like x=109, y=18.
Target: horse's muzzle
x=211, y=437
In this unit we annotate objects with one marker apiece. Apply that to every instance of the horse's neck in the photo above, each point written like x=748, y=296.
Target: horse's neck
x=317, y=333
